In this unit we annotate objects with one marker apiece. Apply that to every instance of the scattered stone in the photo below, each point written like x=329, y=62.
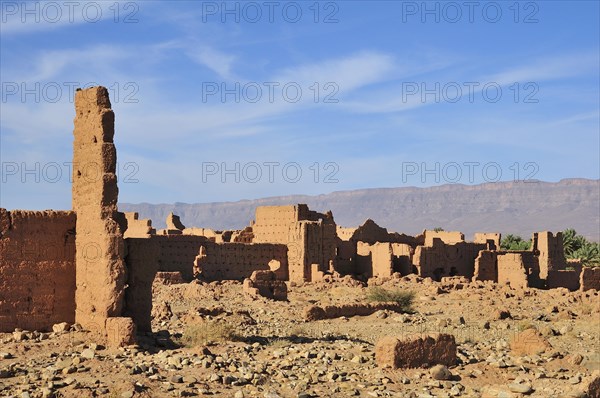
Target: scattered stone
x=121, y=332
x=440, y=372
x=264, y=283
x=60, y=327
x=575, y=379
x=520, y=388
x=5, y=373
x=529, y=342
x=176, y=379
x=88, y=353
x=593, y=389
x=416, y=351
x=575, y=359
x=19, y=336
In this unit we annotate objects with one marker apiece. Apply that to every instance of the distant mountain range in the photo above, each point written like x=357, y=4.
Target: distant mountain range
x=508, y=207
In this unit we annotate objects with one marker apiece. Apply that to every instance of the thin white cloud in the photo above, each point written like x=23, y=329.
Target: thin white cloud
x=562, y=66
x=218, y=61
x=398, y=98
x=213, y=120
x=67, y=65
x=577, y=118
x=24, y=17
x=349, y=73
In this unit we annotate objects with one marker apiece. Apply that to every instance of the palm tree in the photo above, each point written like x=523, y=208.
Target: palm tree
x=514, y=242
x=589, y=254
x=569, y=244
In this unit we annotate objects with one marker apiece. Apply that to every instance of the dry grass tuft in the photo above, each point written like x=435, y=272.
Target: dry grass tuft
x=381, y=295
x=204, y=333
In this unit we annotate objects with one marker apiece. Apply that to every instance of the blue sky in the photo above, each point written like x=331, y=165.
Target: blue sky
x=353, y=95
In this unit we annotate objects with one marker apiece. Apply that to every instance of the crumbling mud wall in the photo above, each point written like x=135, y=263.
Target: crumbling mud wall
x=246, y=235
x=563, y=278
x=551, y=252
x=448, y=237
x=210, y=234
x=374, y=260
x=492, y=238
x=272, y=223
x=265, y=284
x=441, y=259
x=243, y=236
x=137, y=228
x=310, y=236
x=402, y=258
x=239, y=260
x=219, y=261
x=176, y=253
x=300, y=251
x=311, y=242
x=345, y=233
x=513, y=270
x=590, y=278
x=486, y=266
x=100, y=269
x=345, y=257
x=382, y=259
x=142, y=265
x=37, y=269
x=371, y=233
x=315, y=313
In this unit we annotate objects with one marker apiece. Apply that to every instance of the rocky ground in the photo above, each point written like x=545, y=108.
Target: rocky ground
x=214, y=340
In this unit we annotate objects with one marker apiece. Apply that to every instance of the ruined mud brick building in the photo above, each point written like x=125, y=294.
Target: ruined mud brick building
x=95, y=266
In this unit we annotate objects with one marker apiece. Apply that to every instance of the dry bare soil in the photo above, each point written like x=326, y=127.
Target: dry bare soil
x=214, y=340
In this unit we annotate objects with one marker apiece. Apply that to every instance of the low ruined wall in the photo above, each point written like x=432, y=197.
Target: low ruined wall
x=239, y=260
x=37, y=269
x=382, y=259
x=402, y=258
x=315, y=313
x=590, y=278
x=511, y=270
x=137, y=228
x=374, y=260
x=372, y=233
x=442, y=259
x=485, y=237
x=563, y=278
x=486, y=266
x=519, y=269
x=345, y=257
x=448, y=237
x=533, y=267
x=177, y=253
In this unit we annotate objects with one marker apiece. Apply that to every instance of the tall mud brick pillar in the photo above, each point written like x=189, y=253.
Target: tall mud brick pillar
x=100, y=268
